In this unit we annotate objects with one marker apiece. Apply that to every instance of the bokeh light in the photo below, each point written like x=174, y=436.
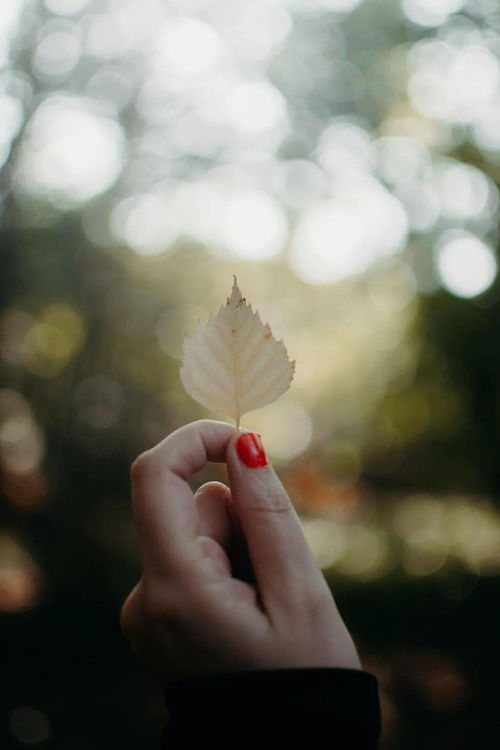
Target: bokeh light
x=11, y=11
x=187, y=47
x=339, y=6
x=366, y=554
x=22, y=443
x=11, y=117
x=466, y=265
x=70, y=152
x=346, y=235
x=453, y=83
x=486, y=127
x=430, y=12
x=145, y=223
x=65, y=7
x=20, y=577
x=287, y=427
x=254, y=226
x=326, y=540
x=57, y=53
x=464, y=191
x=253, y=107
x=53, y=340
x=29, y=725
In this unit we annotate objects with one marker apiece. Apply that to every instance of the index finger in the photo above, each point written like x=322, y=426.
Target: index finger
x=164, y=507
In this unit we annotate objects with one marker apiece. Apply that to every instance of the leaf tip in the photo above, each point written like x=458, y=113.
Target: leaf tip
x=236, y=299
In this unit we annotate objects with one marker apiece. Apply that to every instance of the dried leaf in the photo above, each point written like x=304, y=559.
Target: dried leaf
x=232, y=364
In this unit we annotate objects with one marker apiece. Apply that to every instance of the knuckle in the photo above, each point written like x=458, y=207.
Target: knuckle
x=308, y=601
x=141, y=466
x=163, y=608
x=272, y=502
x=317, y=603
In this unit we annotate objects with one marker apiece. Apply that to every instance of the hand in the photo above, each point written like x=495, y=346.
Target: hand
x=229, y=582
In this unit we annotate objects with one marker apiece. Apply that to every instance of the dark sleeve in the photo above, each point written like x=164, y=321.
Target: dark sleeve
x=286, y=708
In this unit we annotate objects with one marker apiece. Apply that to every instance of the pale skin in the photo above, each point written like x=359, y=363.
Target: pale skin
x=229, y=582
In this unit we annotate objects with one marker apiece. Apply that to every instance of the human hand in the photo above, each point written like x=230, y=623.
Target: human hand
x=229, y=582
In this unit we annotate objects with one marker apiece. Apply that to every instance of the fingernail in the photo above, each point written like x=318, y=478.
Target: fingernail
x=250, y=450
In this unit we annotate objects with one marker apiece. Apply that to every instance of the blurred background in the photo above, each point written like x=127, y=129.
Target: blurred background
x=342, y=158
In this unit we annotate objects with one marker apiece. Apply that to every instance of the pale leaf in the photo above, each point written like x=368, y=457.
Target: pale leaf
x=232, y=364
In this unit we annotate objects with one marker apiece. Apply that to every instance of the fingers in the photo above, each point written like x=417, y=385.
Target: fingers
x=214, y=525
x=164, y=507
x=212, y=502
x=218, y=520
x=285, y=569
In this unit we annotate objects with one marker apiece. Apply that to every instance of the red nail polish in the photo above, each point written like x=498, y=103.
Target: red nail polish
x=250, y=450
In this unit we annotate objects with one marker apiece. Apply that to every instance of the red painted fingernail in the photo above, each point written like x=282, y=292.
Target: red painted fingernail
x=250, y=450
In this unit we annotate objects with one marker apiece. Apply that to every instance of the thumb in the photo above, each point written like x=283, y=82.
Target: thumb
x=284, y=567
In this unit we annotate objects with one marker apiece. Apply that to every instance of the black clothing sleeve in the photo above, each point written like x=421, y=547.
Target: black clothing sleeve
x=334, y=709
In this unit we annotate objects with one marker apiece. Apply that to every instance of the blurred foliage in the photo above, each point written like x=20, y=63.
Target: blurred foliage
x=342, y=158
